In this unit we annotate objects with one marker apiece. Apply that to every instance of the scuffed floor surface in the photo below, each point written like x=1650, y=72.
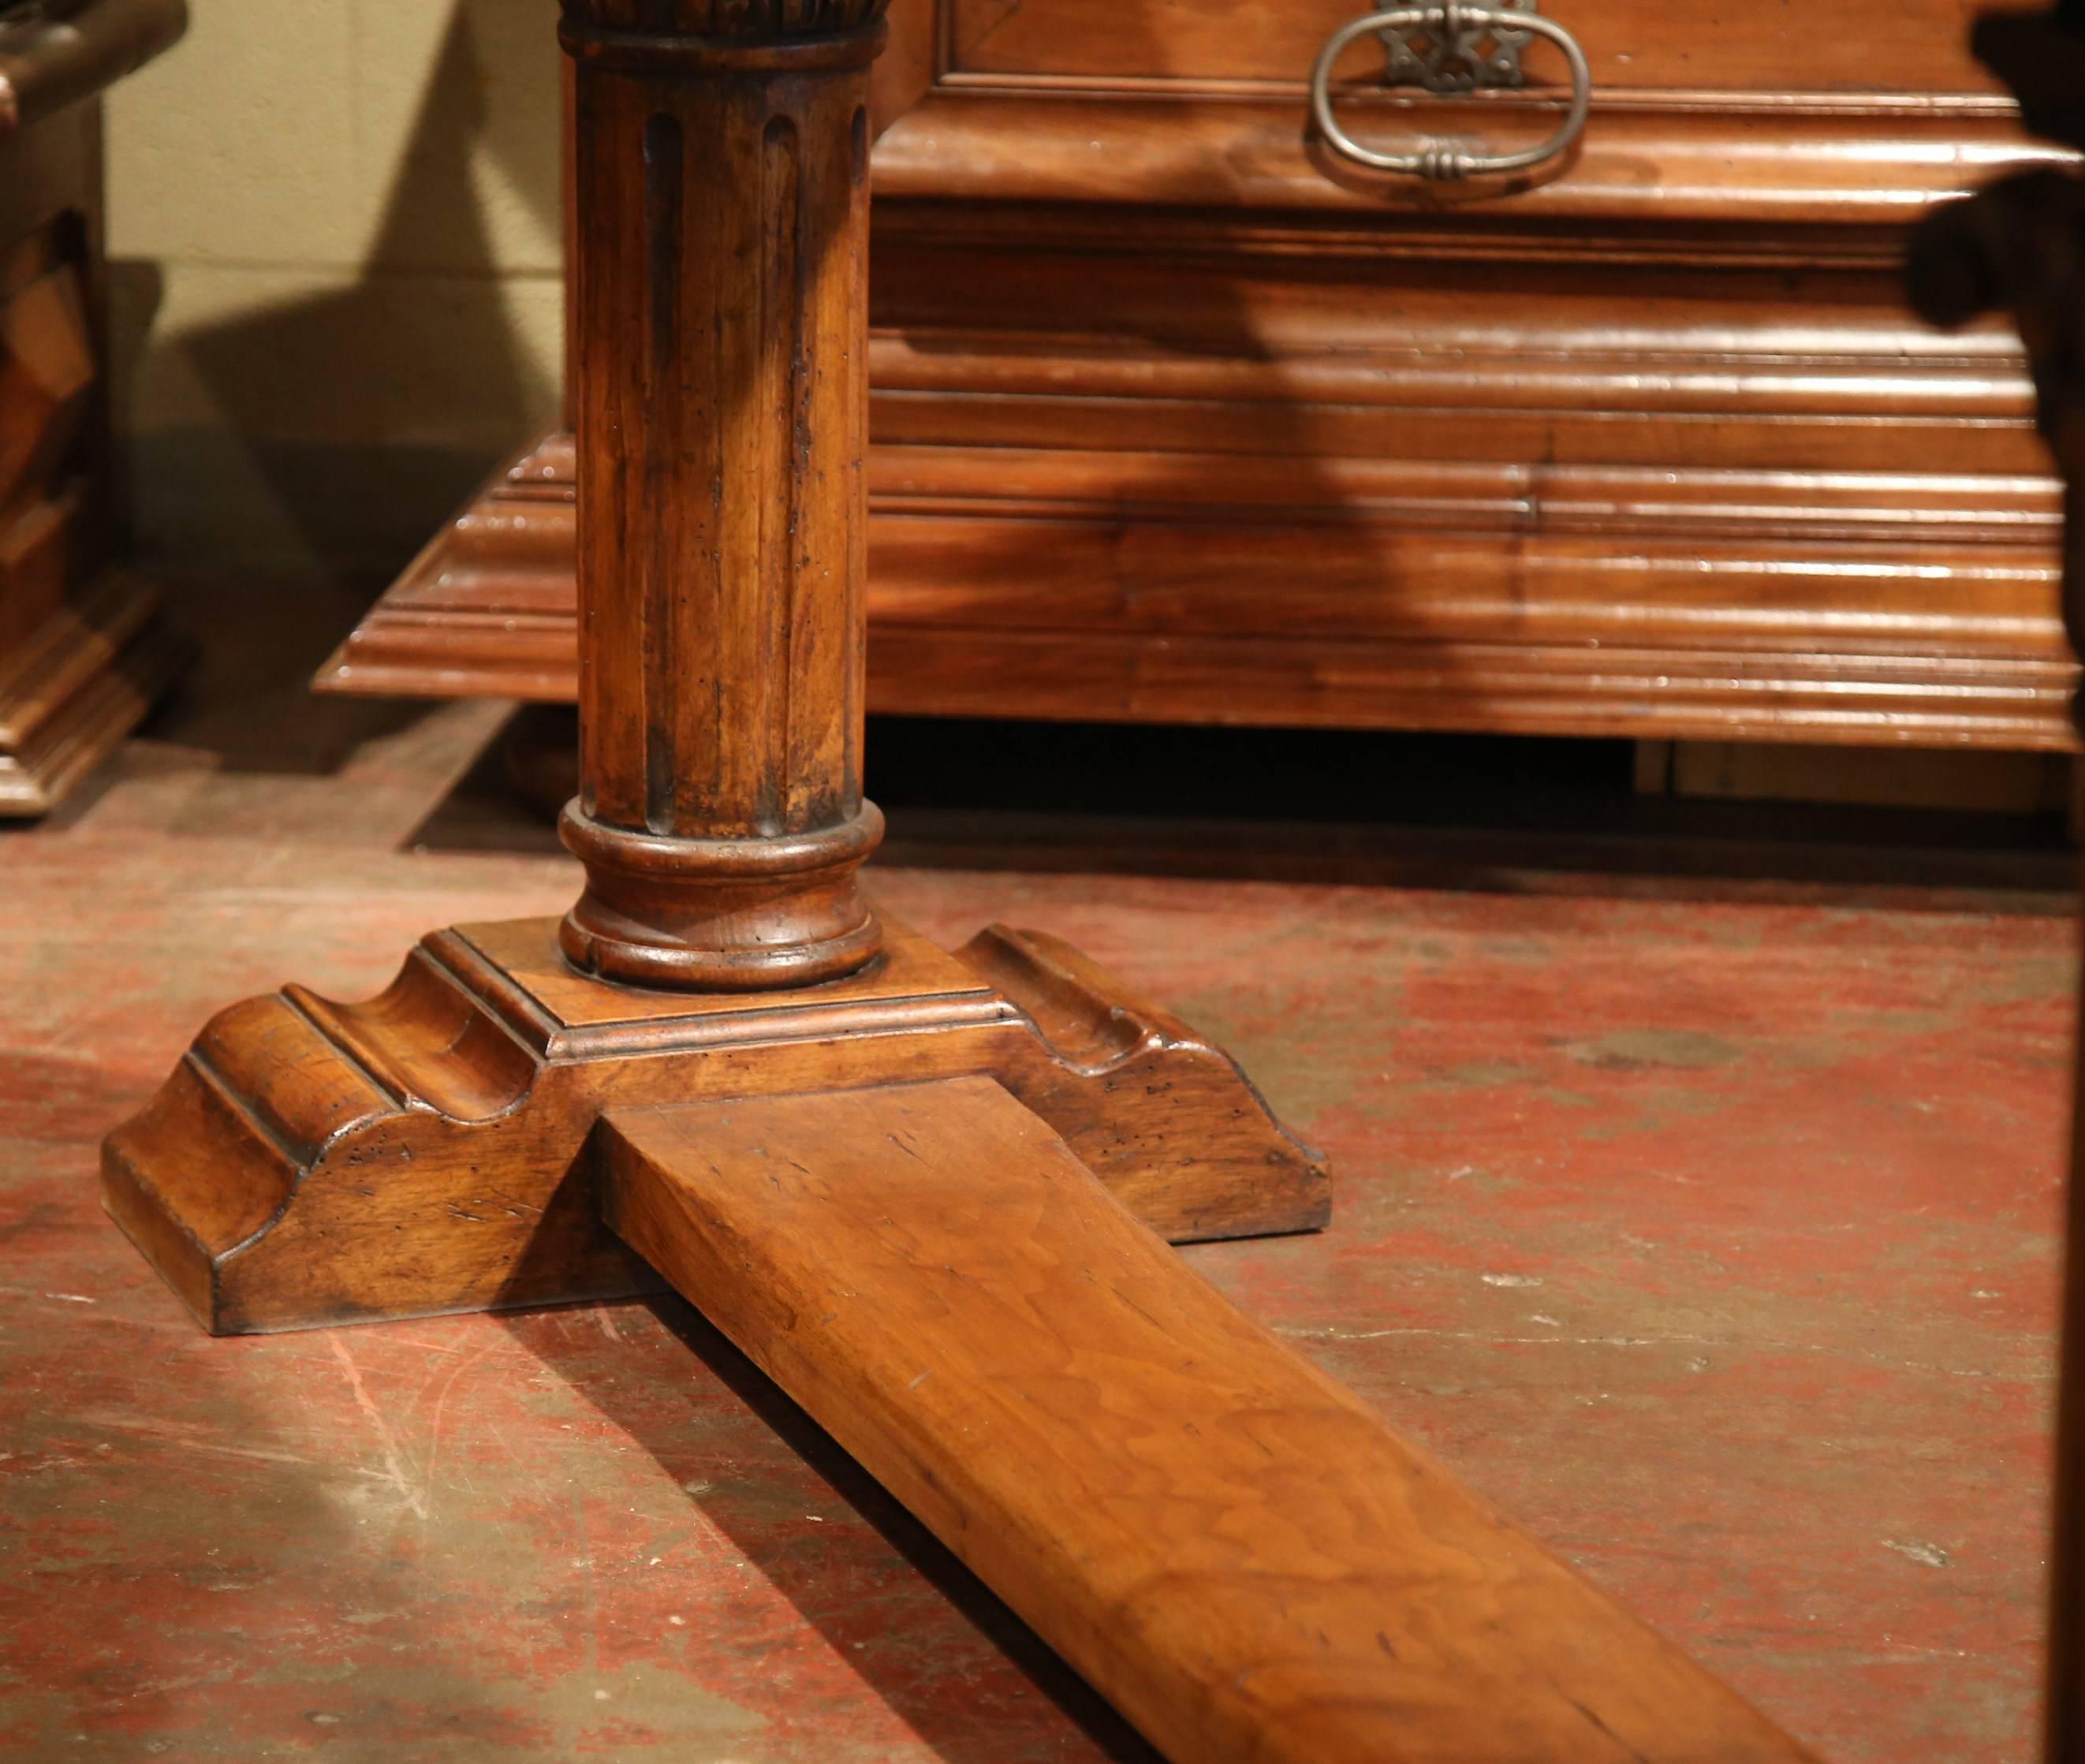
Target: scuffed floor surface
x=1713, y=1240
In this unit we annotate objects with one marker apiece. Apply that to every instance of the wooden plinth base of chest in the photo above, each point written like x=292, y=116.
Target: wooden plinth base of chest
x=985, y=600
x=79, y=683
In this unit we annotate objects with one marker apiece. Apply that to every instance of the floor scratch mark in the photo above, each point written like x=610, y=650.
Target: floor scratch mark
x=394, y=1462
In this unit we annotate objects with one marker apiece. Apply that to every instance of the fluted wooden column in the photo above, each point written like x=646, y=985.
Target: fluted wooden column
x=722, y=191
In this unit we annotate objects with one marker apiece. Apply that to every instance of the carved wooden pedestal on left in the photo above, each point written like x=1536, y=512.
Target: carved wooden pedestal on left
x=83, y=652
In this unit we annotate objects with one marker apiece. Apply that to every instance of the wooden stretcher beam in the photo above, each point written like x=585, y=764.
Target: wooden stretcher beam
x=1228, y=1544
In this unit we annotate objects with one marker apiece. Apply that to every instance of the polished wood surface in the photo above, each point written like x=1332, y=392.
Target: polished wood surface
x=1823, y=49
x=427, y=1151
x=722, y=186
x=1225, y=1542
x=720, y=159
x=1172, y=419
x=77, y=684
x=83, y=652
x=1233, y=1547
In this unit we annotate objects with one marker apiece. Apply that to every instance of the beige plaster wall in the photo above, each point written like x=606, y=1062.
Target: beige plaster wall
x=335, y=272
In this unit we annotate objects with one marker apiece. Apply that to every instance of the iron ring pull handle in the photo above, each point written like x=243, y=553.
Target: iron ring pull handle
x=1443, y=160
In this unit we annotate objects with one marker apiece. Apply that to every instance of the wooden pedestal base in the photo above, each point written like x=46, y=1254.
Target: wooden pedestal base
x=922, y=1195
x=78, y=684
x=433, y=1150
x=883, y=1189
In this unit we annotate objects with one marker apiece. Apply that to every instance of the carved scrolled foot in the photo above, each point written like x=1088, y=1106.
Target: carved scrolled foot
x=1162, y=1116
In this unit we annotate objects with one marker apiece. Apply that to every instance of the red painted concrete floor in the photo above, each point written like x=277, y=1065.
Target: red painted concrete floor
x=1712, y=1239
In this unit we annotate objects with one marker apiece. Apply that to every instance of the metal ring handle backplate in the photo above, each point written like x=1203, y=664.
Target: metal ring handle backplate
x=1444, y=160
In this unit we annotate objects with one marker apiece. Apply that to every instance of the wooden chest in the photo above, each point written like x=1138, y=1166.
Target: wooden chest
x=1177, y=414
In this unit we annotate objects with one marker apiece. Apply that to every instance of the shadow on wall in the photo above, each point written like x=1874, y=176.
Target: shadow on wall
x=341, y=427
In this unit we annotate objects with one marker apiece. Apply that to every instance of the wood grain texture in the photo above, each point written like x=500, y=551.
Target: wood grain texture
x=1227, y=1543
x=1852, y=604
x=1653, y=449
x=718, y=681
x=722, y=216
x=77, y=684
x=426, y=1150
x=1679, y=1491
x=1830, y=47
x=1712, y=161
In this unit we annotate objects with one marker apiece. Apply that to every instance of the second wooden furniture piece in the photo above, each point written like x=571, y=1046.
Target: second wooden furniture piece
x=1178, y=413
x=82, y=650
